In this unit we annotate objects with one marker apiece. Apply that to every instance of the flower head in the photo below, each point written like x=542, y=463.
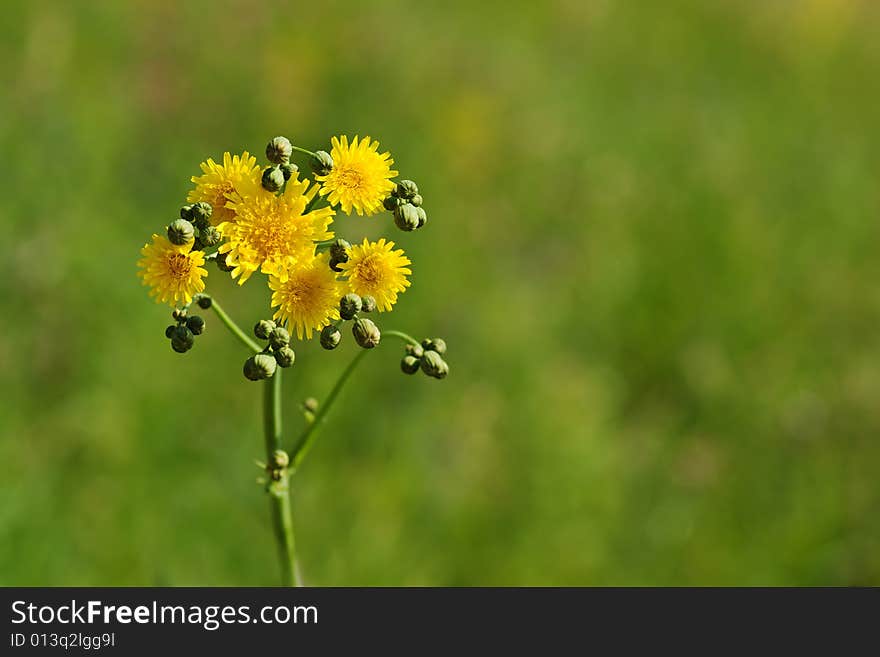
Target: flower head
x=272, y=233
x=173, y=272
x=307, y=297
x=220, y=182
x=373, y=269
x=360, y=178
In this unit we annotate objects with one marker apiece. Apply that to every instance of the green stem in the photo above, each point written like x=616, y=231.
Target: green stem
x=403, y=336
x=232, y=326
x=310, y=433
x=279, y=491
x=304, y=151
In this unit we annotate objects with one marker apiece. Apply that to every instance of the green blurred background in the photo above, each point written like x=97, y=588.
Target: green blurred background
x=652, y=249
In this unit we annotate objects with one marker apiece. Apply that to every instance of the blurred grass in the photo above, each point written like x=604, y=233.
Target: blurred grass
x=652, y=249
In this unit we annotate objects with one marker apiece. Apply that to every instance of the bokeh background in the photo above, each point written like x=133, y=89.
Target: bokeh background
x=652, y=248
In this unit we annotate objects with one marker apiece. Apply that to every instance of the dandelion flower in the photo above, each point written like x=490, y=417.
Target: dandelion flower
x=220, y=182
x=360, y=178
x=272, y=233
x=174, y=273
x=373, y=269
x=307, y=297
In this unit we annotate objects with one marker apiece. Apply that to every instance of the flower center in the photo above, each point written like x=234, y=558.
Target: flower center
x=369, y=270
x=351, y=178
x=179, y=265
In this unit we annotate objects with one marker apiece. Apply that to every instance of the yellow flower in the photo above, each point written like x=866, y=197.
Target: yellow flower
x=272, y=233
x=308, y=296
x=173, y=272
x=373, y=269
x=219, y=182
x=360, y=178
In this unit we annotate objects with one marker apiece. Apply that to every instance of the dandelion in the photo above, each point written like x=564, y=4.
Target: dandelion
x=374, y=269
x=220, y=182
x=360, y=178
x=307, y=297
x=272, y=233
x=174, y=273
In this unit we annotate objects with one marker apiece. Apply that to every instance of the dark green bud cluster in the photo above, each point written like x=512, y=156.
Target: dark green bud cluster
x=277, y=351
x=364, y=330
x=279, y=150
x=406, y=204
x=195, y=220
x=427, y=356
x=338, y=253
x=182, y=334
x=273, y=179
x=322, y=163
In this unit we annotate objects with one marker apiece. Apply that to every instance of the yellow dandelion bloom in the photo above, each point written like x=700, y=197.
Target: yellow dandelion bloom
x=220, y=182
x=361, y=176
x=308, y=296
x=174, y=273
x=272, y=233
x=373, y=269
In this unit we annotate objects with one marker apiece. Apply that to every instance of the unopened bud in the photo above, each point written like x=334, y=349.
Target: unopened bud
x=416, y=200
x=280, y=459
x=279, y=150
x=288, y=169
x=182, y=339
x=196, y=324
x=186, y=212
x=339, y=250
x=210, y=236
x=259, y=366
x=310, y=404
x=423, y=217
x=169, y=330
x=366, y=333
x=349, y=306
x=322, y=163
x=406, y=217
x=435, y=344
x=273, y=179
x=285, y=356
x=409, y=364
x=415, y=350
x=331, y=336
x=368, y=304
x=279, y=337
x=222, y=264
x=263, y=328
x=201, y=214
x=407, y=189
x=434, y=365
x=391, y=203
x=202, y=300
x=181, y=232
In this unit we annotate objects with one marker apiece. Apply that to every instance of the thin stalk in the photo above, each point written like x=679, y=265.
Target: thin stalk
x=279, y=491
x=403, y=336
x=309, y=434
x=234, y=328
x=304, y=151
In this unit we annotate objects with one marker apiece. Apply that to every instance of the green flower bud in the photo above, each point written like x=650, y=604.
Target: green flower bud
x=368, y=304
x=279, y=150
x=288, y=169
x=423, y=217
x=334, y=265
x=210, y=236
x=202, y=300
x=391, y=203
x=415, y=350
x=434, y=365
x=339, y=250
x=331, y=336
x=273, y=179
x=409, y=365
x=416, y=200
x=407, y=189
x=310, y=404
x=263, y=328
x=180, y=232
x=195, y=324
x=201, y=214
x=322, y=163
x=186, y=212
x=259, y=366
x=179, y=314
x=285, y=356
x=366, y=333
x=280, y=459
x=182, y=339
x=437, y=344
x=222, y=265
x=349, y=306
x=169, y=330
x=406, y=217
x=279, y=337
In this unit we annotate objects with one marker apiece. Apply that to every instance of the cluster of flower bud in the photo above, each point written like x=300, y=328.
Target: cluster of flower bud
x=194, y=227
x=276, y=354
x=278, y=152
x=427, y=356
x=339, y=250
x=406, y=204
x=364, y=330
x=183, y=333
